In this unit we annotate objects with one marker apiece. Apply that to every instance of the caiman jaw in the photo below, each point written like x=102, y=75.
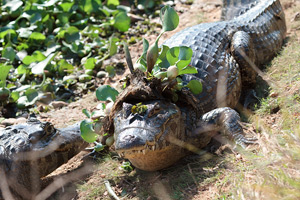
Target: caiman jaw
x=142, y=138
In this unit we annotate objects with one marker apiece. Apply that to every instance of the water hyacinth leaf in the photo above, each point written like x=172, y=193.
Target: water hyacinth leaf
x=35, y=36
x=90, y=63
x=162, y=60
x=195, y=86
x=179, y=56
x=86, y=113
x=39, y=67
x=121, y=22
x=12, y=5
x=90, y=6
x=9, y=53
x=113, y=48
x=188, y=70
x=106, y=93
x=172, y=55
x=110, y=70
x=38, y=56
x=22, y=69
x=14, y=96
x=4, y=70
x=65, y=7
x=64, y=67
x=145, y=46
x=28, y=60
x=113, y=2
x=32, y=96
x=87, y=131
x=169, y=18
x=72, y=34
x=47, y=3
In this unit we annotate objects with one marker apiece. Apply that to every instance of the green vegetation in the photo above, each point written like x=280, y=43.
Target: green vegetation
x=55, y=46
x=165, y=65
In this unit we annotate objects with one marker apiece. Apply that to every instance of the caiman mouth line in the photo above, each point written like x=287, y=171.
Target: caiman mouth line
x=138, y=127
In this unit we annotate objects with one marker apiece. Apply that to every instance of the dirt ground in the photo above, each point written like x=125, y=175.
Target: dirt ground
x=200, y=11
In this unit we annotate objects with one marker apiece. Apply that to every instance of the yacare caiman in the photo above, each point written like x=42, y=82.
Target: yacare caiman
x=33, y=150
x=226, y=55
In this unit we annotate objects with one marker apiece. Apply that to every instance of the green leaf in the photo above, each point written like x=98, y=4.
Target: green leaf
x=47, y=3
x=195, y=86
x=87, y=131
x=72, y=34
x=179, y=56
x=188, y=70
x=28, y=60
x=38, y=56
x=162, y=60
x=9, y=53
x=86, y=113
x=14, y=96
x=66, y=7
x=145, y=46
x=13, y=5
x=90, y=6
x=113, y=48
x=113, y=3
x=32, y=96
x=39, y=67
x=110, y=70
x=4, y=70
x=64, y=67
x=121, y=22
x=169, y=18
x=105, y=93
x=22, y=69
x=90, y=63
x=35, y=36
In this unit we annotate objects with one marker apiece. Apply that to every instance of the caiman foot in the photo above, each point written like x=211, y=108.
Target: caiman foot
x=226, y=121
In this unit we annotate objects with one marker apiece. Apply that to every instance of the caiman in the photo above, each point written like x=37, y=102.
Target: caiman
x=33, y=150
x=227, y=55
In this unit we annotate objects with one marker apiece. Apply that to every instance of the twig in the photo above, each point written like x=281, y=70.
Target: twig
x=193, y=177
x=110, y=190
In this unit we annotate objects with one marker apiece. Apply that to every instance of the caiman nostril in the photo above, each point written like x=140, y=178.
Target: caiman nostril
x=129, y=138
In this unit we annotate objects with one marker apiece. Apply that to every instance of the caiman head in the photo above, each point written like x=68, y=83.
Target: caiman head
x=142, y=133
x=39, y=146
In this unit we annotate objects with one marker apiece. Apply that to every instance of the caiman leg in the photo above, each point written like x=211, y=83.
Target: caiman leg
x=242, y=50
x=224, y=120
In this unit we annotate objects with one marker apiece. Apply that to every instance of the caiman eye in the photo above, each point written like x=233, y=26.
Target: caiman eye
x=48, y=128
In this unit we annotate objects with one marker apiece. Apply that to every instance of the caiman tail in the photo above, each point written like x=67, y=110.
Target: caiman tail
x=234, y=8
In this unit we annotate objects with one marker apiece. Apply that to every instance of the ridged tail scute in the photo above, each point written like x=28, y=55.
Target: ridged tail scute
x=234, y=8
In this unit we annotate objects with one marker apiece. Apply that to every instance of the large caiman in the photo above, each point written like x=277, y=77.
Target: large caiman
x=227, y=55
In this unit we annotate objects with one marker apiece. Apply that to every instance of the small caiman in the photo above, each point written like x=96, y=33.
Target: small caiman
x=34, y=149
x=227, y=55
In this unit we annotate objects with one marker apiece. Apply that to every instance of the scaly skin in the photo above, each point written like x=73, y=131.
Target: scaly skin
x=33, y=150
x=225, y=54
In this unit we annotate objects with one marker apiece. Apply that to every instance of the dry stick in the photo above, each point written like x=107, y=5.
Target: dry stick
x=110, y=190
x=60, y=182
x=193, y=177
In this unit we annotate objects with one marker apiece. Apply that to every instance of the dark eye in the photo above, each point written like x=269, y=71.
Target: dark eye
x=48, y=128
